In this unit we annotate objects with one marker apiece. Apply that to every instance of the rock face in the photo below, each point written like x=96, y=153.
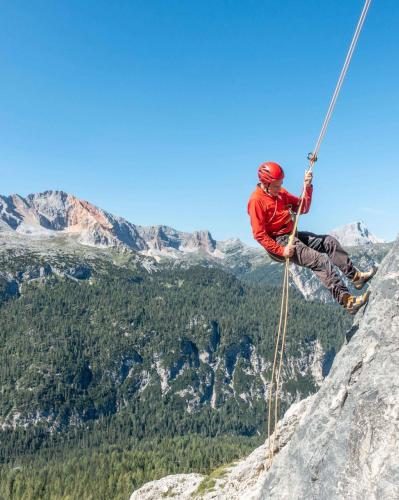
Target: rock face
x=346, y=446
x=342, y=442
x=168, y=486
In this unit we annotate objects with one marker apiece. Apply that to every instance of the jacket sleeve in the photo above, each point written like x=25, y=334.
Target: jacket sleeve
x=258, y=223
x=295, y=201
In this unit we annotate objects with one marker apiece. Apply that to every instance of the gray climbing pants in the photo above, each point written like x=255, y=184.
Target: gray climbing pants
x=319, y=253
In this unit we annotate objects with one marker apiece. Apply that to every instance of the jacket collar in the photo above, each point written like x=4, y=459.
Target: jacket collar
x=267, y=194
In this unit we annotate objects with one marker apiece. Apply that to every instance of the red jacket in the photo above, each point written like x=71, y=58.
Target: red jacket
x=270, y=216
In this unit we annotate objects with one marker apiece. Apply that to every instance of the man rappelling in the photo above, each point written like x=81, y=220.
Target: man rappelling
x=271, y=209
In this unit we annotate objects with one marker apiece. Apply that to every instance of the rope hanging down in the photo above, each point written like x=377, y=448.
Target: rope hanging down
x=282, y=328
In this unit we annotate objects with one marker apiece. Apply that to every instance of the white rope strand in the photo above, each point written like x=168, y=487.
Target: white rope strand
x=331, y=107
x=341, y=78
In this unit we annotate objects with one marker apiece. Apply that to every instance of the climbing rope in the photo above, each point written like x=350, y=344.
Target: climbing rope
x=280, y=338
x=282, y=327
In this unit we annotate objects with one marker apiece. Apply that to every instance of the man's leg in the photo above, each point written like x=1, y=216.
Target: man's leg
x=321, y=265
x=332, y=247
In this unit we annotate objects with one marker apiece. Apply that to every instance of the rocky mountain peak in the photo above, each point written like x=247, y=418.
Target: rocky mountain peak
x=63, y=211
x=50, y=211
x=53, y=213
x=355, y=234
x=202, y=239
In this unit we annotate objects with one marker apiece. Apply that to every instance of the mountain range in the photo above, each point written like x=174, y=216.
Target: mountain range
x=58, y=213
x=55, y=219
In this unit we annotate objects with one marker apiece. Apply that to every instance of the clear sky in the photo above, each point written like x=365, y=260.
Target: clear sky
x=161, y=110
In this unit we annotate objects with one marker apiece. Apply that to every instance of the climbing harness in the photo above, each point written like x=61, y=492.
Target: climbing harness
x=282, y=327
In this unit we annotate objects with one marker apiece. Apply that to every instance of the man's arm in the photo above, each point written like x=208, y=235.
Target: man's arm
x=308, y=191
x=258, y=222
x=295, y=201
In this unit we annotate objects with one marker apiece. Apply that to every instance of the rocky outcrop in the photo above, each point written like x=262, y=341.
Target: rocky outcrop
x=163, y=240
x=11, y=283
x=185, y=487
x=207, y=376
x=342, y=442
x=346, y=447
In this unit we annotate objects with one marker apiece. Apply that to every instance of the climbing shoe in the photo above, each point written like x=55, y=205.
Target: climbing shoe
x=360, y=279
x=352, y=303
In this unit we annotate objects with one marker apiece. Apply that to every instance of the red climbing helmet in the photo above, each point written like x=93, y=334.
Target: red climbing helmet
x=269, y=172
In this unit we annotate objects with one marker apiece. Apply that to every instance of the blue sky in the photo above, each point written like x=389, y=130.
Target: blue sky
x=161, y=111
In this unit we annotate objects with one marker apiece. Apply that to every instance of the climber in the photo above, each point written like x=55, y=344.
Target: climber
x=271, y=210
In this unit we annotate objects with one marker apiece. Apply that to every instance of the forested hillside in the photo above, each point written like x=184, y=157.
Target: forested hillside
x=117, y=372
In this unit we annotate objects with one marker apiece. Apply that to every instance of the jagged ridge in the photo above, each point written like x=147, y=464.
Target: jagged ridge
x=44, y=213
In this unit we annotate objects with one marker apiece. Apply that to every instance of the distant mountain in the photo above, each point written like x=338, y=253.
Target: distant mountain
x=355, y=234
x=58, y=213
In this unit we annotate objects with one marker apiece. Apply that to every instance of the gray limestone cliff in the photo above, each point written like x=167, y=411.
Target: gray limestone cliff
x=347, y=445
x=342, y=442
